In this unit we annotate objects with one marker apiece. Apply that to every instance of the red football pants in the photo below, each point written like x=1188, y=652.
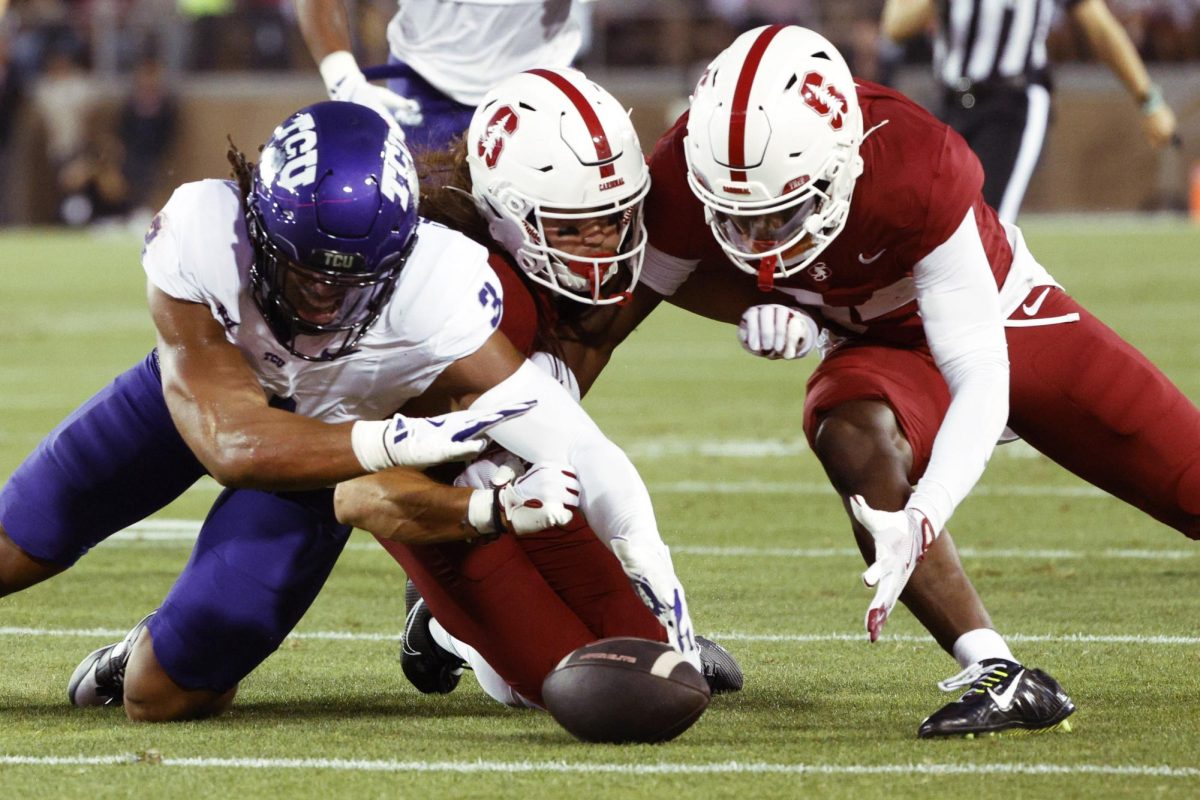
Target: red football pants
x=1079, y=394
x=526, y=602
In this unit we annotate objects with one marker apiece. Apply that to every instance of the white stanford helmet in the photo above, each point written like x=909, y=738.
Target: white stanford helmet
x=772, y=148
x=552, y=139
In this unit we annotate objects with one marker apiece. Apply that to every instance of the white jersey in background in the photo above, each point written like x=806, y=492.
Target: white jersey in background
x=463, y=48
x=434, y=317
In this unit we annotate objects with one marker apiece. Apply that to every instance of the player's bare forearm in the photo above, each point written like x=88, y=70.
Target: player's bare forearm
x=325, y=26
x=222, y=412
x=1112, y=45
x=404, y=506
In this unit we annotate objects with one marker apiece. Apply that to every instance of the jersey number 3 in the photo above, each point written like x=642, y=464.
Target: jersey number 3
x=489, y=298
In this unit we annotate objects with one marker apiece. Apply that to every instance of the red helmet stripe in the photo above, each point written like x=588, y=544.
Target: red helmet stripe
x=741, y=101
x=599, y=137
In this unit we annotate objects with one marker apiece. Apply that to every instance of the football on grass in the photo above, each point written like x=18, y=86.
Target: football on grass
x=625, y=690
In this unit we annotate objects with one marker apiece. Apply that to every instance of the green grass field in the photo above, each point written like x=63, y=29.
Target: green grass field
x=1099, y=595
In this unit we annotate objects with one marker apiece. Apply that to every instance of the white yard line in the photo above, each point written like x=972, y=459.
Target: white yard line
x=724, y=636
x=168, y=531
x=583, y=768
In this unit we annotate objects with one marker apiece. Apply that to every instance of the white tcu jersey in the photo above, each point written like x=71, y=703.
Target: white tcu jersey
x=464, y=48
x=447, y=302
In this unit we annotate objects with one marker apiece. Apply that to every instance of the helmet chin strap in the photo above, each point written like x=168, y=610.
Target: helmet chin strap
x=766, y=273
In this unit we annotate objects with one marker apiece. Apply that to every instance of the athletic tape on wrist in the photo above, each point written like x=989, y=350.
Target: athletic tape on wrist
x=368, y=439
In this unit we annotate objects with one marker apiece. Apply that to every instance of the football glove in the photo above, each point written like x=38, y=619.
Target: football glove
x=775, y=331
x=419, y=442
x=345, y=81
x=546, y=496
x=901, y=539
x=653, y=578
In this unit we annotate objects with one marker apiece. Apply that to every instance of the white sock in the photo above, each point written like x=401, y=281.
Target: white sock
x=979, y=644
x=490, y=681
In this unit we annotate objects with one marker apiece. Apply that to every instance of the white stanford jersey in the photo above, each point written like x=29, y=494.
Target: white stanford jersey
x=446, y=304
x=464, y=48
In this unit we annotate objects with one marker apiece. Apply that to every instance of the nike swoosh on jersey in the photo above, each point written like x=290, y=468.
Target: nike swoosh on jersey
x=1004, y=700
x=863, y=259
x=1031, y=309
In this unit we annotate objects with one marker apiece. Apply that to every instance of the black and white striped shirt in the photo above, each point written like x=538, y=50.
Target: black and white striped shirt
x=993, y=41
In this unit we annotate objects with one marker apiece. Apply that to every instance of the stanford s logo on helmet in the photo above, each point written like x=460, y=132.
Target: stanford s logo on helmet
x=550, y=150
x=332, y=217
x=772, y=148
x=824, y=98
x=491, y=144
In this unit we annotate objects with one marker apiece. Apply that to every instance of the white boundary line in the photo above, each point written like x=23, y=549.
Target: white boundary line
x=568, y=767
x=158, y=531
x=728, y=636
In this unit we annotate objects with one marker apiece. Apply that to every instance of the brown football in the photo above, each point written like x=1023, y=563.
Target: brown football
x=625, y=690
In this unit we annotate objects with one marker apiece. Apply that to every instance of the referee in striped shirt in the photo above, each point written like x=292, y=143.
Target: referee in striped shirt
x=990, y=58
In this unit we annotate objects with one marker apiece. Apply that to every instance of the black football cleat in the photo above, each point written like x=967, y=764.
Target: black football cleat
x=719, y=667
x=99, y=680
x=427, y=665
x=1004, y=697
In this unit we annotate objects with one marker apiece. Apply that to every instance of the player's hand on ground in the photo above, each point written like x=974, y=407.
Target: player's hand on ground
x=776, y=331
x=648, y=567
x=545, y=496
x=901, y=539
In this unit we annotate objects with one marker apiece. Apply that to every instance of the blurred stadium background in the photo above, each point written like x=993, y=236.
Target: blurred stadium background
x=73, y=151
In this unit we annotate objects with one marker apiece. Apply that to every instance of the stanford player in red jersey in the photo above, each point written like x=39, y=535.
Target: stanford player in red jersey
x=558, y=179
x=865, y=212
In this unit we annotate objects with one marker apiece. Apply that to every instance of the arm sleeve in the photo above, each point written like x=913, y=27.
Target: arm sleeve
x=665, y=273
x=963, y=324
x=615, y=501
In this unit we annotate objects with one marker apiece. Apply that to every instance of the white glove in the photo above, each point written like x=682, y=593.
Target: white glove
x=494, y=467
x=345, y=81
x=419, y=442
x=774, y=331
x=653, y=577
x=544, y=497
x=901, y=539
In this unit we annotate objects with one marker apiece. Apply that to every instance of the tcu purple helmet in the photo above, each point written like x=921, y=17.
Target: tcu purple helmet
x=332, y=216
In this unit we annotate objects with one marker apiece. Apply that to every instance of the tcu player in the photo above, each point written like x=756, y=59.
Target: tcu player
x=311, y=285
x=443, y=56
x=552, y=177
x=940, y=328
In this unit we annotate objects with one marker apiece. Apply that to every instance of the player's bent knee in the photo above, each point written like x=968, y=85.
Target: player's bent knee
x=19, y=570
x=151, y=695
x=861, y=446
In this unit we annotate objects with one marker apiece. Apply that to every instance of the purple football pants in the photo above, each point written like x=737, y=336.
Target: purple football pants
x=260, y=558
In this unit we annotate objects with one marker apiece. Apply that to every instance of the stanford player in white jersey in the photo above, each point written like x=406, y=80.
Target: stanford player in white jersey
x=863, y=215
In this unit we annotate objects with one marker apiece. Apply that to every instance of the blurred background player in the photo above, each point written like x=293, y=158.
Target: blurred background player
x=558, y=180
x=991, y=62
x=445, y=55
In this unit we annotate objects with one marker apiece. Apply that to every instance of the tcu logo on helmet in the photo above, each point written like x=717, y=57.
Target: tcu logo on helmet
x=491, y=144
x=824, y=98
x=398, y=178
x=298, y=151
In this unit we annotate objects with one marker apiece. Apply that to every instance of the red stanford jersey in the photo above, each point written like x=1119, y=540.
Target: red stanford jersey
x=919, y=179
x=521, y=310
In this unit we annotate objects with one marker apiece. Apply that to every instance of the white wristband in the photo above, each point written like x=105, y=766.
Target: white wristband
x=479, y=510
x=367, y=441
x=339, y=66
